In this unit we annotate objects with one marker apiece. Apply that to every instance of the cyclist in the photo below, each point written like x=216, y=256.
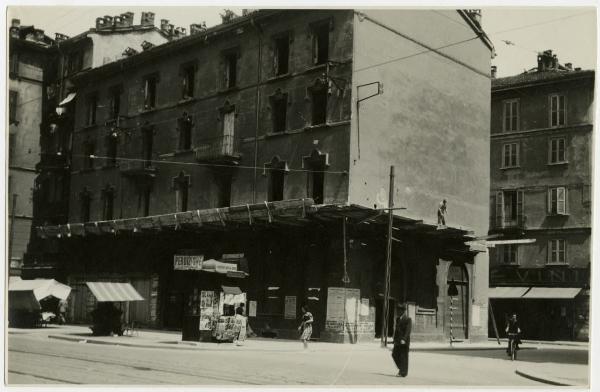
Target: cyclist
x=512, y=327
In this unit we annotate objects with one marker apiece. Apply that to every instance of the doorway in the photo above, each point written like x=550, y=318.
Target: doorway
x=379, y=317
x=457, y=301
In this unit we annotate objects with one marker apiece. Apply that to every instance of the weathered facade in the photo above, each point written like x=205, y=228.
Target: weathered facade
x=262, y=113
x=28, y=61
x=542, y=125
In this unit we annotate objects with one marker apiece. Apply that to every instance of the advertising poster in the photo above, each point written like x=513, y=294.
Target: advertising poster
x=340, y=301
x=364, y=306
x=290, y=307
x=252, y=309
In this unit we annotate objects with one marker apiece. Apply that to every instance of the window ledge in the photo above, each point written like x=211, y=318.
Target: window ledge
x=149, y=110
x=558, y=163
x=557, y=264
x=281, y=76
x=511, y=265
x=557, y=215
x=276, y=134
x=510, y=167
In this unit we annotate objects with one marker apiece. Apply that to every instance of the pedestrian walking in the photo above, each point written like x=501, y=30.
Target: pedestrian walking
x=402, y=342
x=62, y=311
x=305, y=327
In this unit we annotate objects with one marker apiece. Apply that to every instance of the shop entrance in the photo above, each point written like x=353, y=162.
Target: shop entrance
x=174, y=310
x=457, y=302
x=379, y=316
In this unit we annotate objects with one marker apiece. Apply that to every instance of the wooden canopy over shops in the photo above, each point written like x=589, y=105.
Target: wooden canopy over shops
x=297, y=212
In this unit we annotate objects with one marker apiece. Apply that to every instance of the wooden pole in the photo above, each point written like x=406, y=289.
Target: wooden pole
x=494, y=321
x=388, y=262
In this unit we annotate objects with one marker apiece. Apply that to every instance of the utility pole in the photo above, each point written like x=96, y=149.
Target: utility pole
x=388, y=262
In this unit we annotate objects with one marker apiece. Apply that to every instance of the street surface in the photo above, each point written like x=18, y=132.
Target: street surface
x=35, y=359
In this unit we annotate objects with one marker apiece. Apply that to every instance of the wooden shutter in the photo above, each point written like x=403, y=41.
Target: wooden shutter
x=499, y=209
x=549, y=201
x=566, y=201
x=520, y=202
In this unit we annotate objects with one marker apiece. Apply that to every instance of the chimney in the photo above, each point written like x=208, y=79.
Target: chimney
x=15, y=32
x=118, y=21
x=147, y=45
x=127, y=19
x=494, y=71
x=569, y=66
x=15, y=23
x=147, y=19
x=546, y=61
x=129, y=52
x=58, y=37
x=554, y=62
x=108, y=21
x=228, y=16
x=180, y=32
x=39, y=35
x=197, y=28
x=100, y=23
x=164, y=24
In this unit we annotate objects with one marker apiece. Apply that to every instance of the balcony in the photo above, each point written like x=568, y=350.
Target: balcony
x=509, y=225
x=224, y=149
x=137, y=169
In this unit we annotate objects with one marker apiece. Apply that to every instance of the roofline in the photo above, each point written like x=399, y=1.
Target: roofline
x=119, y=65
x=30, y=44
x=585, y=74
x=479, y=31
x=75, y=39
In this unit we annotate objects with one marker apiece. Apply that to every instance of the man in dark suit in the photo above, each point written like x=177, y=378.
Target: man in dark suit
x=402, y=341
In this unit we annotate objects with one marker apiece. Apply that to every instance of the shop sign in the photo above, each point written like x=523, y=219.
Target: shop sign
x=290, y=307
x=187, y=262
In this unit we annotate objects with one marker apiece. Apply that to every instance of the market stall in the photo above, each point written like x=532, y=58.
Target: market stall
x=107, y=317
x=34, y=302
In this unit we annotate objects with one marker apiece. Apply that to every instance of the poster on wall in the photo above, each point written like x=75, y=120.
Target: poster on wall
x=364, y=306
x=252, y=309
x=340, y=300
x=206, y=309
x=290, y=307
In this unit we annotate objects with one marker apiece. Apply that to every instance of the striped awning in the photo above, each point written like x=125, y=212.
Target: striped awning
x=552, y=293
x=114, y=292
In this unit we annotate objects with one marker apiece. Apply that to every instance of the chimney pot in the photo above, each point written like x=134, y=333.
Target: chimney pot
x=15, y=23
x=108, y=21
x=100, y=23
x=15, y=32
x=164, y=24
x=197, y=28
x=494, y=71
x=127, y=19
x=569, y=66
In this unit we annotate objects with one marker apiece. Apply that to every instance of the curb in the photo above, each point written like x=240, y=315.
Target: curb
x=545, y=380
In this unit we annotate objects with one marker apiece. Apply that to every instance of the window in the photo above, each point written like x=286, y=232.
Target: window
x=150, y=92
x=231, y=70
x=91, y=106
x=12, y=106
x=509, y=209
x=112, y=142
x=108, y=201
x=319, y=105
x=317, y=165
x=228, y=132
x=188, y=81
x=557, y=201
x=279, y=112
x=147, y=142
x=185, y=132
x=145, y=196
x=557, y=110
x=277, y=170
x=510, y=155
x=224, y=191
x=75, y=61
x=321, y=43
x=115, y=102
x=556, y=151
x=282, y=54
x=509, y=254
x=14, y=64
x=181, y=184
x=557, y=252
x=511, y=115
x=88, y=152
x=85, y=199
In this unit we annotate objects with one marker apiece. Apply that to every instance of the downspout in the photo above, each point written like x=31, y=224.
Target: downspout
x=258, y=80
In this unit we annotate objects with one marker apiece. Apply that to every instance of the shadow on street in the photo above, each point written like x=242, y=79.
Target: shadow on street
x=527, y=354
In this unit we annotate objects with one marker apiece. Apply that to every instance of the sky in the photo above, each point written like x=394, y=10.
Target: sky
x=569, y=31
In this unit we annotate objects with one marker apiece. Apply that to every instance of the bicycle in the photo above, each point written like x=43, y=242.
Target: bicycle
x=513, y=345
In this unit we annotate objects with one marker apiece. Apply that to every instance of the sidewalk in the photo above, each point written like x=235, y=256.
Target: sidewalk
x=555, y=374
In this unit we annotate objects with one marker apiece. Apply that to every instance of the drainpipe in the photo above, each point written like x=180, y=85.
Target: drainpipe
x=258, y=80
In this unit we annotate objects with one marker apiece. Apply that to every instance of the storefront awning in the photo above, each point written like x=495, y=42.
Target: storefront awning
x=552, y=293
x=41, y=288
x=114, y=292
x=67, y=99
x=507, y=292
x=231, y=290
x=23, y=300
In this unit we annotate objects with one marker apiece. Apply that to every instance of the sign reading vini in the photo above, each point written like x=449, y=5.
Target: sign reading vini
x=188, y=262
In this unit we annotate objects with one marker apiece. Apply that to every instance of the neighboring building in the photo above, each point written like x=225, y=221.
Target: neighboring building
x=112, y=39
x=257, y=138
x=541, y=154
x=27, y=61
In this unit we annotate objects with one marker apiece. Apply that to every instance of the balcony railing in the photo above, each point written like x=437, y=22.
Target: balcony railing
x=222, y=148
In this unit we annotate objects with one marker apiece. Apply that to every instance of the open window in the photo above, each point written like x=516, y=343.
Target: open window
x=115, y=101
x=91, y=107
x=316, y=164
x=108, y=202
x=230, y=59
x=185, y=124
x=557, y=201
x=276, y=171
x=181, y=184
x=188, y=80
x=318, y=95
x=112, y=142
x=85, y=200
x=150, y=83
x=279, y=105
x=281, y=54
x=509, y=208
x=320, y=40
